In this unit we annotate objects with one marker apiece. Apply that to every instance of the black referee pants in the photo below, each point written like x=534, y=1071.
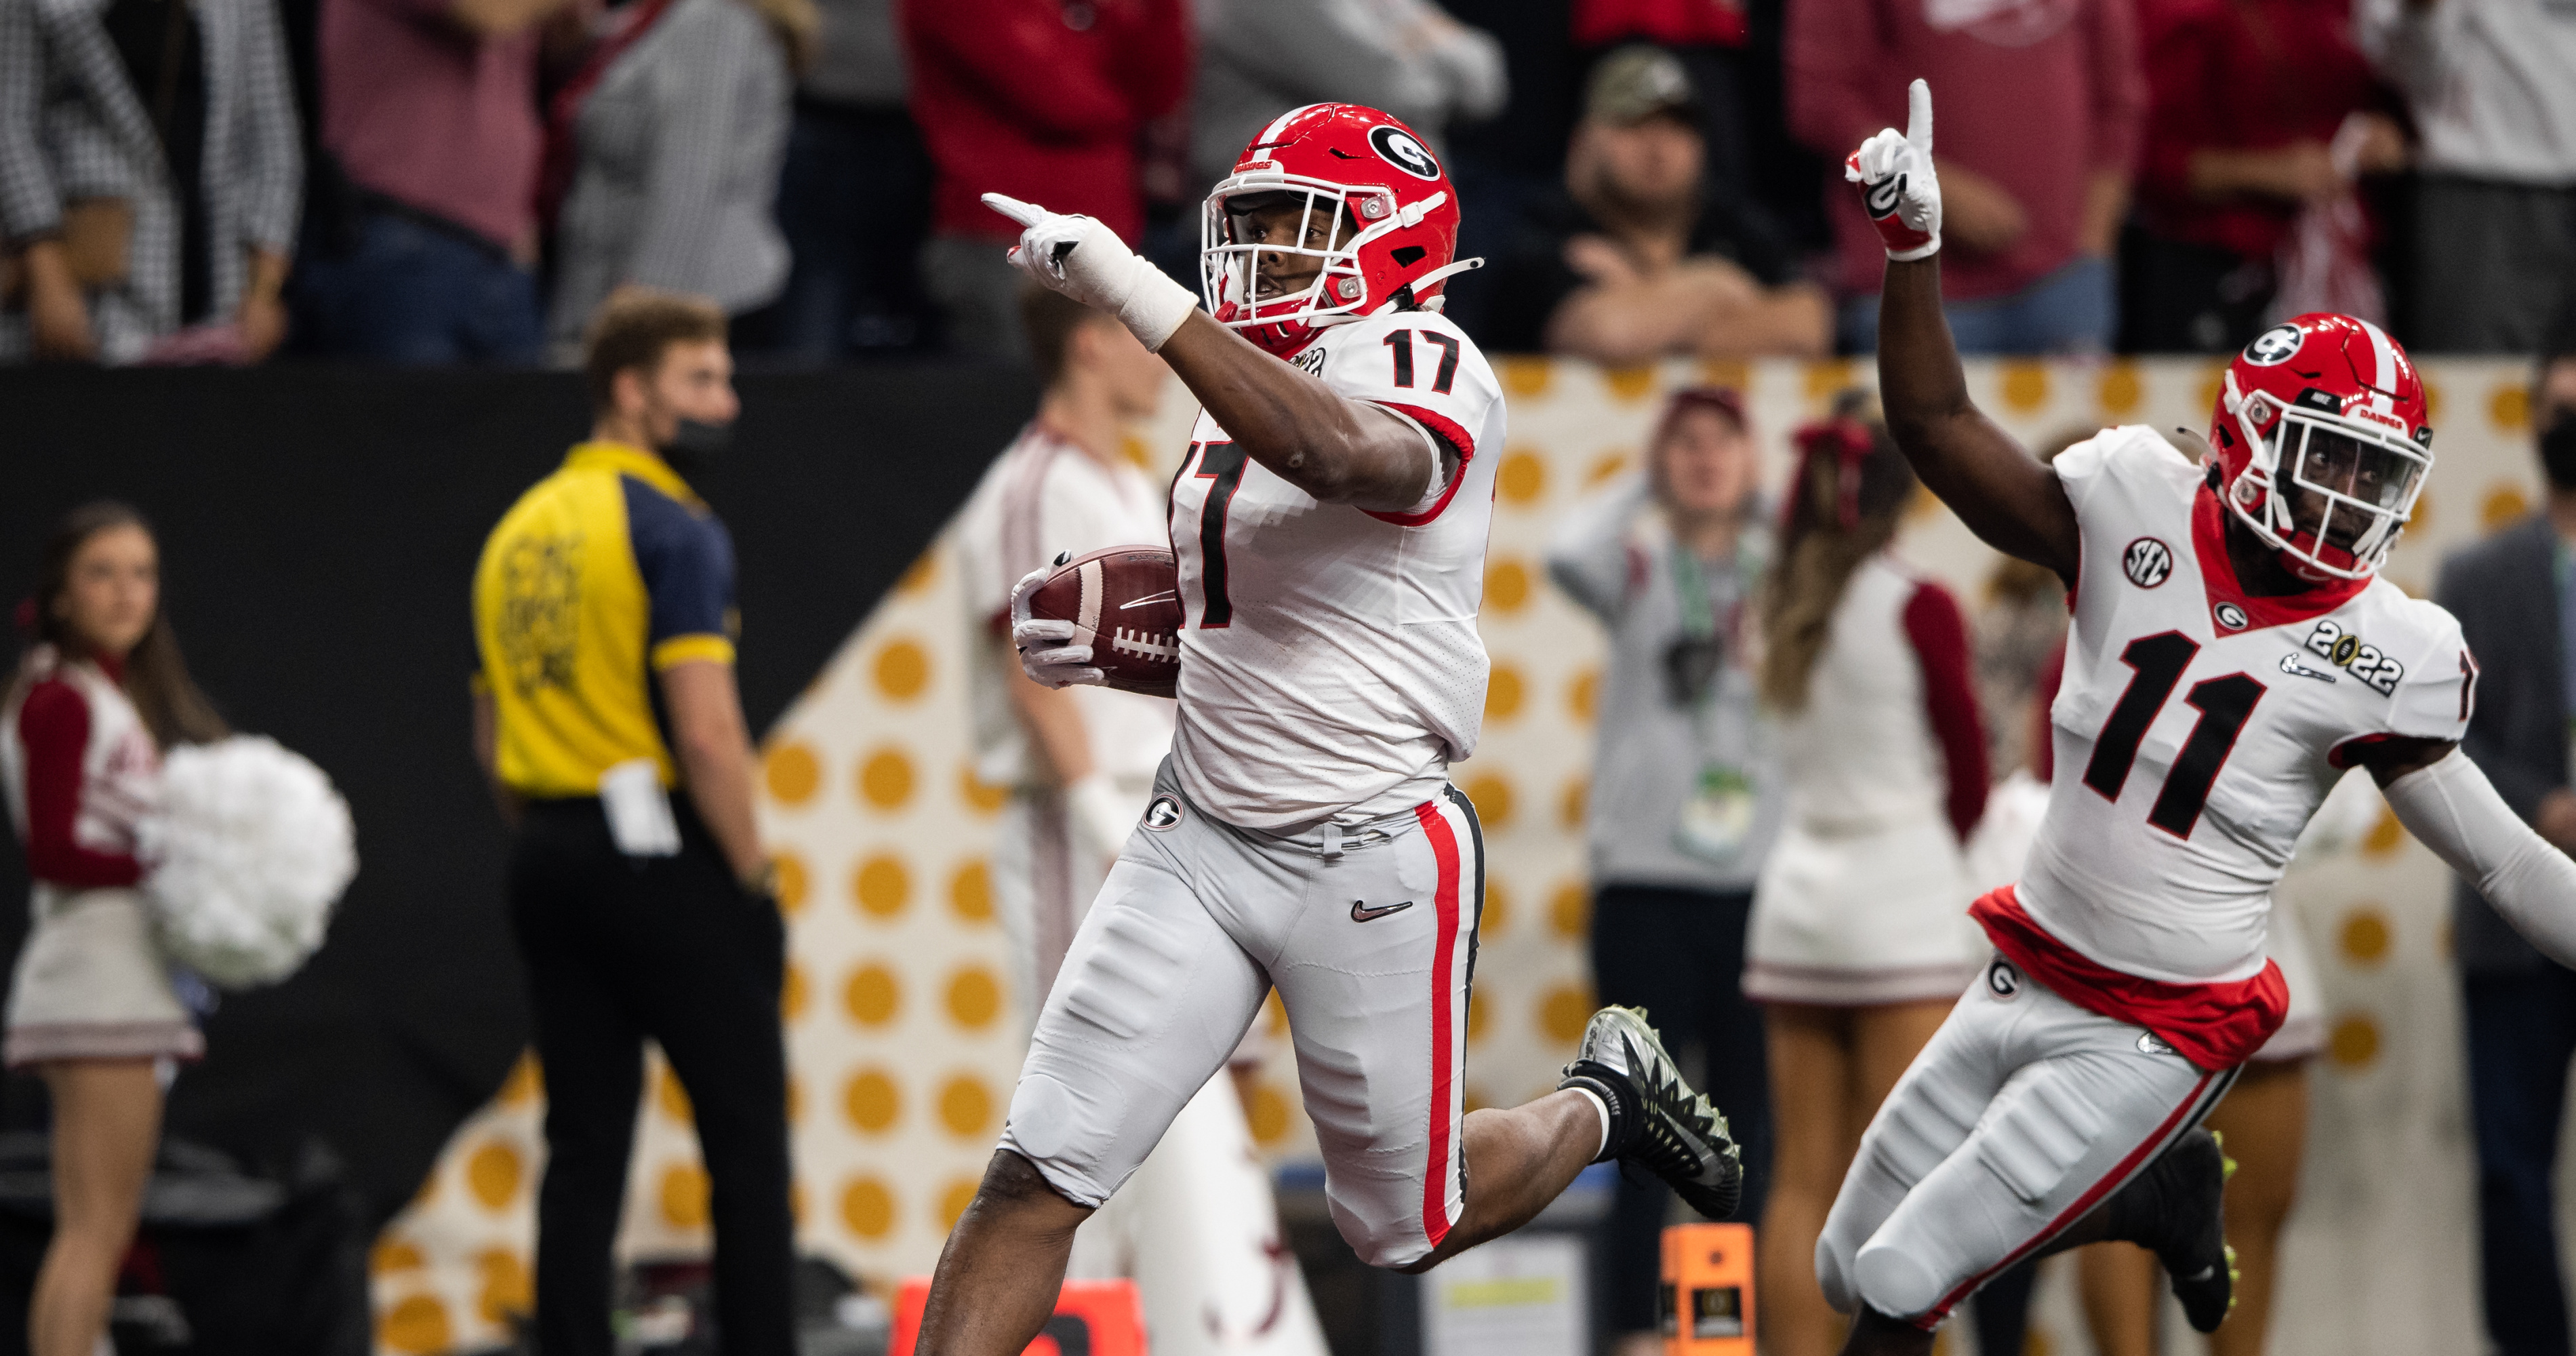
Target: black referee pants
x=618, y=949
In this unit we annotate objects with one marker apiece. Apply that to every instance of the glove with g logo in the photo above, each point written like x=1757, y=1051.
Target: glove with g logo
x=1898, y=187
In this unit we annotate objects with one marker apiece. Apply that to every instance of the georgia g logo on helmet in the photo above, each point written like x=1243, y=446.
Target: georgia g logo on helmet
x=2275, y=346
x=1398, y=148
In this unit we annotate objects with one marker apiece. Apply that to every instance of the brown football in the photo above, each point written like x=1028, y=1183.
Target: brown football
x=1125, y=603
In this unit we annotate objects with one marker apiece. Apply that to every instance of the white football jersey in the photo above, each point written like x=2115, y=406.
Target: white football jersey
x=1330, y=664
x=1043, y=496
x=2199, y=728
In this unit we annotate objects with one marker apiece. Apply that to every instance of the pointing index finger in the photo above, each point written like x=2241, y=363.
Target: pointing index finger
x=1918, y=116
x=1027, y=214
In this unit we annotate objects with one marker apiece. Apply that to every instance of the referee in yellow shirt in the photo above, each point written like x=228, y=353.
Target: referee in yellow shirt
x=607, y=718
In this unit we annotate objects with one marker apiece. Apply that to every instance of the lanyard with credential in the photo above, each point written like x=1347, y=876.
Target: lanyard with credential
x=1715, y=821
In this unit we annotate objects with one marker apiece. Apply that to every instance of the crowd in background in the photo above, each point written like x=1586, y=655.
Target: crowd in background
x=465, y=181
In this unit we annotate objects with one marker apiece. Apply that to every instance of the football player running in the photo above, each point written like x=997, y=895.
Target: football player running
x=2232, y=651
x=1329, y=521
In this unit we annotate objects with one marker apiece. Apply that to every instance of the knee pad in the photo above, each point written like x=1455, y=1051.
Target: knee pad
x=2041, y=1128
x=1047, y=1125
x=1380, y=1243
x=1896, y=1281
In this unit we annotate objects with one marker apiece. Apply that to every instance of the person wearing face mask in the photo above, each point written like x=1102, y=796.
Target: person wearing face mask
x=2515, y=596
x=1678, y=813
x=607, y=720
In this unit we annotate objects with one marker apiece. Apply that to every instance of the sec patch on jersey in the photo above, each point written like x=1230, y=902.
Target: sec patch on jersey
x=1125, y=603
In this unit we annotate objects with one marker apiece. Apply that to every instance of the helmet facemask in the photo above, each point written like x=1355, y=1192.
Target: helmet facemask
x=1326, y=235
x=2329, y=490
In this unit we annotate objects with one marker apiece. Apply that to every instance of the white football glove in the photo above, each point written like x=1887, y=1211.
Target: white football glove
x=1046, y=654
x=1898, y=188
x=1088, y=262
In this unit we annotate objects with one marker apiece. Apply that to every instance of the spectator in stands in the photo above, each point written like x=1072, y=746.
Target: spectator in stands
x=2517, y=610
x=429, y=121
x=150, y=177
x=853, y=198
x=1668, y=560
x=2036, y=153
x=1641, y=256
x=2493, y=87
x=2250, y=99
x=664, y=148
x=1043, y=101
x=1260, y=58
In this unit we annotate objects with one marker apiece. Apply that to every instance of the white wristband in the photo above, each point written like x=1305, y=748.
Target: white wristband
x=1155, y=305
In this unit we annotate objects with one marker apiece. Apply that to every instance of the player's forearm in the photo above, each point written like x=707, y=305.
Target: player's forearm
x=1339, y=450
x=2450, y=807
x=1055, y=726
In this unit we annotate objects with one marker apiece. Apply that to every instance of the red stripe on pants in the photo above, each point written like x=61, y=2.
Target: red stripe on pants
x=1435, y=1181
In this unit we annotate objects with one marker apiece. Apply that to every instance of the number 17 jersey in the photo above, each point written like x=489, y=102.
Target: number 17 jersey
x=1330, y=665
x=2199, y=727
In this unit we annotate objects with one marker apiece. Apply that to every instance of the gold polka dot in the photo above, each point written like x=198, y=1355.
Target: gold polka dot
x=960, y=1193
x=526, y=1083
x=2432, y=401
x=902, y=670
x=970, y=892
x=885, y=779
x=391, y=1255
x=793, y=772
x=792, y=993
x=1498, y=909
x=1134, y=450
x=881, y=886
x=1507, y=585
x=795, y=1098
x=965, y=1106
x=1632, y=383
x=1827, y=377
x=867, y=1207
x=1733, y=374
x=1268, y=1114
x=1276, y=1014
x=2025, y=385
x=1503, y=693
x=2503, y=505
x=493, y=1174
x=2509, y=406
x=979, y=797
x=1477, y=1016
x=795, y=882
x=919, y=573
x=2355, y=1042
x=1572, y=802
x=1583, y=695
x=669, y=1096
x=1564, y=1011
x=416, y=1325
x=1606, y=465
x=2386, y=835
x=1569, y=911
x=1493, y=798
x=1523, y=376
x=507, y=1293
x=974, y=997
x=1522, y=477
x=872, y=994
x=2119, y=389
x=871, y=1101
x=2420, y=519
x=2364, y=938
x=2212, y=381
x=684, y=1196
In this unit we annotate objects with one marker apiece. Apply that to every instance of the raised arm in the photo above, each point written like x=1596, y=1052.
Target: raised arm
x=1997, y=488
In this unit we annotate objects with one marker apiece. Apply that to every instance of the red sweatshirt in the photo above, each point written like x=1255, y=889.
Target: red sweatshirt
x=2241, y=75
x=2033, y=94
x=54, y=728
x=1042, y=100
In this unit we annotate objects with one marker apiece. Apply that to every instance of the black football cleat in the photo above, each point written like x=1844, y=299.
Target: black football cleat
x=1656, y=1121
x=2176, y=1208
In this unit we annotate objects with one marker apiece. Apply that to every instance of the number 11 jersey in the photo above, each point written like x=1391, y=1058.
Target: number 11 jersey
x=2199, y=727
x=1330, y=664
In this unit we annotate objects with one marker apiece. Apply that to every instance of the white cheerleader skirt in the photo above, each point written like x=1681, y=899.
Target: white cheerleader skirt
x=1863, y=916
x=2303, y=1029
x=92, y=984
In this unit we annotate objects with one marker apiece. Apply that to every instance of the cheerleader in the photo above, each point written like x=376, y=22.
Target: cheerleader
x=97, y=698
x=1860, y=938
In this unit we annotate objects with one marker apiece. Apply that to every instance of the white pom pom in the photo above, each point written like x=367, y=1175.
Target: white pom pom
x=251, y=849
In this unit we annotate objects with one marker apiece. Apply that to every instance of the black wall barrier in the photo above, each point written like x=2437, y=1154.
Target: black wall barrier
x=319, y=529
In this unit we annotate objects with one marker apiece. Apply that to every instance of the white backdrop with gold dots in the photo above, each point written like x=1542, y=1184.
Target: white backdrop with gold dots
x=902, y=1048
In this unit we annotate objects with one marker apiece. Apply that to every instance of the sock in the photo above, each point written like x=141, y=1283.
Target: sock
x=1601, y=1108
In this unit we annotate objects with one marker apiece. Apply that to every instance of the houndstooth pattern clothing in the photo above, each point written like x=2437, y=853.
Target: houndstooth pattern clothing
x=73, y=127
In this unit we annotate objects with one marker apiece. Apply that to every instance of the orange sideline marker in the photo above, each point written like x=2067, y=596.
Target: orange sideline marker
x=1706, y=1303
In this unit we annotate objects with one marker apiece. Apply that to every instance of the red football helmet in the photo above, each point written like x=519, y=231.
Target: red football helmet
x=2322, y=444
x=1383, y=205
